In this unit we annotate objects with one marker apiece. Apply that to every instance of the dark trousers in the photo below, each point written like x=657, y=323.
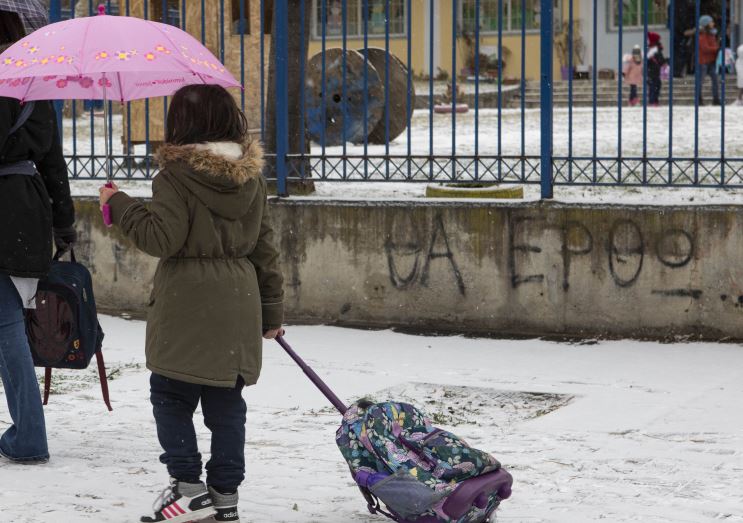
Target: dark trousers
x=632, y=93
x=654, y=86
x=174, y=403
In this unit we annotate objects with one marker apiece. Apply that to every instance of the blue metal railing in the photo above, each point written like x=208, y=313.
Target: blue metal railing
x=523, y=126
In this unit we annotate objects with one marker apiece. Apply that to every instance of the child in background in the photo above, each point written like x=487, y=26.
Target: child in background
x=739, y=69
x=632, y=71
x=656, y=61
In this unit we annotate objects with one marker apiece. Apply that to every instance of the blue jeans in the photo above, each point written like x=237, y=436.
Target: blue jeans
x=174, y=403
x=711, y=71
x=25, y=440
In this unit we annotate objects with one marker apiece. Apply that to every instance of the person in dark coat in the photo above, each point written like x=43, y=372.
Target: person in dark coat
x=218, y=289
x=35, y=207
x=656, y=61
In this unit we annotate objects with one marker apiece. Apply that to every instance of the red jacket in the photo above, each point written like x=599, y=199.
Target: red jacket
x=708, y=48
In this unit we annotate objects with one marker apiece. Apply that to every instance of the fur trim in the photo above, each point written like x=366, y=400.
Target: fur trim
x=229, y=150
x=210, y=159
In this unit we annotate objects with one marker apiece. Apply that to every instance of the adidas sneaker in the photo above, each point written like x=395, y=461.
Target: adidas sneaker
x=182, y=503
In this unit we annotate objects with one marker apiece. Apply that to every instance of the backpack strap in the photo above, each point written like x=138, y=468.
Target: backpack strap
x=28, y=108
x=47, y=383
x=103, y=379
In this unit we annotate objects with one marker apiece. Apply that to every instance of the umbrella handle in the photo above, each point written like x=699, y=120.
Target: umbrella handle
x=106, y=211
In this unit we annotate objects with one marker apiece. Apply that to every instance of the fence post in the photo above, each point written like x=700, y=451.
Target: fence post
x=55, y=15
x=547, y=22
x=280, y=28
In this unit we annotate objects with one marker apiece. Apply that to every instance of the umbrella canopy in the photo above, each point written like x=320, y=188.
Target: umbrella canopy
x=33, y=14
x=107, y=57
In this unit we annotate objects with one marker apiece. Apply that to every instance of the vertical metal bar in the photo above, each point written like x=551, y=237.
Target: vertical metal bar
x=221, y=31
x=73, y=8
x=280, y=28
x=366, y=88
x=92, y=115
x=147, y=110
x=646, y=11
x=129, y=147
x=670, y=91
x=203, y=20
x=262, y=38
x=571, y=74
x=620, y=53
x=55, y=15
x=500, y=90
x=723, y=97
x=386, y=88
x=547, y=108
x=431, y=74
x=344, y=80
x=454, y=35
x=165, y=20
x=477, y=89
x=108, y=124
x=241, y=28
x=410, y=101
x=302, y=93
x=594, y=75
x=523, y=88
x=697, y=90
x=324, y=99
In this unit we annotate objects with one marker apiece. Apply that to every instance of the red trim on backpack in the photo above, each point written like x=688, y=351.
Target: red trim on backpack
x=47, y=383
x=103, y=379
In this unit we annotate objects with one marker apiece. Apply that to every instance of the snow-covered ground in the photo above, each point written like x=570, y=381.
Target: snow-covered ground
x=708, y=140
x=614, y=430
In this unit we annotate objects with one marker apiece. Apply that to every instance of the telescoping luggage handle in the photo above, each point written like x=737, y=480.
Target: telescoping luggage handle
x=312, y=375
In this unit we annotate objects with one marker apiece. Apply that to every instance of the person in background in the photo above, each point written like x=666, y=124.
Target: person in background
x=655, y=62
x=632, y=71
x=683, y=29
x=35, y=208
x=739, y=70
x=709, y=46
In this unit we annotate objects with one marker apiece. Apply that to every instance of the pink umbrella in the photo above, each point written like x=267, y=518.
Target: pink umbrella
x=109, y=58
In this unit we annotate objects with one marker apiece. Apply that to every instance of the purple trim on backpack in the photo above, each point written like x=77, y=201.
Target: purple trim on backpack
x=367, y=479
x=473, y=491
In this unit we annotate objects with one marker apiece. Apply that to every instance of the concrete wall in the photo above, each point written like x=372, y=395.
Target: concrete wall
x=528, y=268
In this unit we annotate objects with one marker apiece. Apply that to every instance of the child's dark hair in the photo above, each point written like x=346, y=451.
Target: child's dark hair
x=205, y=113
x=11, y=28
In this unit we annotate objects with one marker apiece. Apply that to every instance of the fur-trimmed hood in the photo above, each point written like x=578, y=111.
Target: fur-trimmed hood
x=217, y=160
x=225, y=176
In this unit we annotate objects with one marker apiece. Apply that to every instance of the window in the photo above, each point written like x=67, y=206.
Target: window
x=512, y=15
x=633, y=13
x=166, y=11
x=358, y=13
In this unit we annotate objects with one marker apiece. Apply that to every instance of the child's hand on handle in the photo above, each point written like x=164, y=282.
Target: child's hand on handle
x=106, y=192
x=273, y=333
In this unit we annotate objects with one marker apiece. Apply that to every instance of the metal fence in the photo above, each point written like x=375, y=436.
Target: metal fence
x=371, y=90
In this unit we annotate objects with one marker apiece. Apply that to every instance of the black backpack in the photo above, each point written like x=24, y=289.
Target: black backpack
x=63, y=331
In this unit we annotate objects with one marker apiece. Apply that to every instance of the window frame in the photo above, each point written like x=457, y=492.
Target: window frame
x=557, y=23
x=316, y=26
x=613, y=9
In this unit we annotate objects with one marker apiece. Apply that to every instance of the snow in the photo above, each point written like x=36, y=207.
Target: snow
x=708, y=139
x=622, y=430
